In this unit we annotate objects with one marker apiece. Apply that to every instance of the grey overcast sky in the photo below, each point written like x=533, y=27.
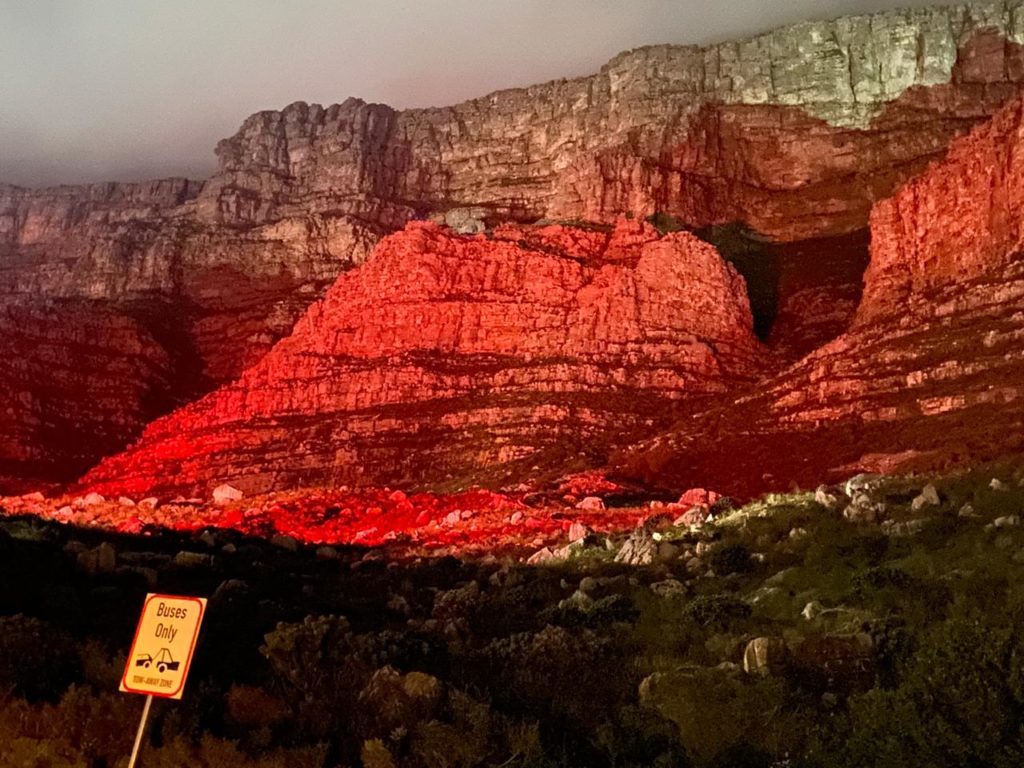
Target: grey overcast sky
x=94, y=90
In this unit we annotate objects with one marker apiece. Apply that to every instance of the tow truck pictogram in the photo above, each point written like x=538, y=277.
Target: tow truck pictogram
x=163, y=661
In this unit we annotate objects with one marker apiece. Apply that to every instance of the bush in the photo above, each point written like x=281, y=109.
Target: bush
x=317, y=671
x=732, y=558
x=578, y=676
x=36, y=660
x=960, y=701
x=721, y=712
x=666, y=222
x=716, y=611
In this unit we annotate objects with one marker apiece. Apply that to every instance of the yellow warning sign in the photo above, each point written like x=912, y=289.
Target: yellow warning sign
x=165, y=640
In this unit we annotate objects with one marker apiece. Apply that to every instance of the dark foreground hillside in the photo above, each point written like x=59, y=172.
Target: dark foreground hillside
x=885, y=629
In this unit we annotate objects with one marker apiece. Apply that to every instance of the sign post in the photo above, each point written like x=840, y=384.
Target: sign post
x=161, y=652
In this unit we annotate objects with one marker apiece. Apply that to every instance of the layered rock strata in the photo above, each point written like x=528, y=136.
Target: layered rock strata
x=210, y=298
x=120, y=375
x=795, y=133
x=227, y=292
x=929, y=376
x=450, y=358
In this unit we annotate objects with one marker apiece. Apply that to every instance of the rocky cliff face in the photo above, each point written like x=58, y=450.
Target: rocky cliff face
x=210, y=299
x=448, y=357
x=930, y=374
x=120, y=376
x=960, y=223
x=795, y=133
x=226, y=293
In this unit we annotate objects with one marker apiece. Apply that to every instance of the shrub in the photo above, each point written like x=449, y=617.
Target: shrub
x=716, y=611
x=36, y=660
x=720, y=712
x=960, y=701
x=579, y=676
x=732, y=558
x=317, y=671
x=666, y=222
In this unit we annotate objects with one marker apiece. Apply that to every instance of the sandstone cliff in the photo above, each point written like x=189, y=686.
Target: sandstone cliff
x=119, y=374
x=930, y=375
x=795, y=133
x=210, y=299
x=447, y=357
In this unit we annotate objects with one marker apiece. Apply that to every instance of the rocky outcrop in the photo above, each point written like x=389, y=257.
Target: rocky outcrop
x=929, y=375
x=227, y=293
x=795, y=132
x=120, y=375
x=210, y=298
x=960, y=223
x=447, y=358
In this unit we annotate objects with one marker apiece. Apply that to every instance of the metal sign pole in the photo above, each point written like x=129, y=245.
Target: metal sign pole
x=142, y=728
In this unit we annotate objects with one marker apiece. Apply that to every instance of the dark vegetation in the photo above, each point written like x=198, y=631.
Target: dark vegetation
x=884, y=645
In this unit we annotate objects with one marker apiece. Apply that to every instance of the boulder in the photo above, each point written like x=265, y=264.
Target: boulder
x=668, y=588
x=698, y=497
x=541, y=556
x=929, y=497
x=812, y=610
x=765, y=656
x=102, y=559
x=865, y=482
x=863, y=509
x=696, y=515
x=824, y=496
x=639, y=549
x=225, y=494
x=578, y=531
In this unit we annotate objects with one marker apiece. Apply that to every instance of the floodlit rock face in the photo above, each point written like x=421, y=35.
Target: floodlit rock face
x=961, y=222
x=794, y=133
x=930, y=375
x=446, y=357
x=211, y=298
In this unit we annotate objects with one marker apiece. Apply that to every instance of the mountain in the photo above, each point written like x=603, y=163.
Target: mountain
x=928, y=376
x=772, y=148
x=446, y=357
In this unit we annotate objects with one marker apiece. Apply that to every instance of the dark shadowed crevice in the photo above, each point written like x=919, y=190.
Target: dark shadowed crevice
x=820, y=287
x=754, y=258
x=802, y=294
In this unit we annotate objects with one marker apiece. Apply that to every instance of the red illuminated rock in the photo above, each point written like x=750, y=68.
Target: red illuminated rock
x=210, y=299
x=961, y=222
x=929, y=377
x=447, y=356
x=796, y=133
